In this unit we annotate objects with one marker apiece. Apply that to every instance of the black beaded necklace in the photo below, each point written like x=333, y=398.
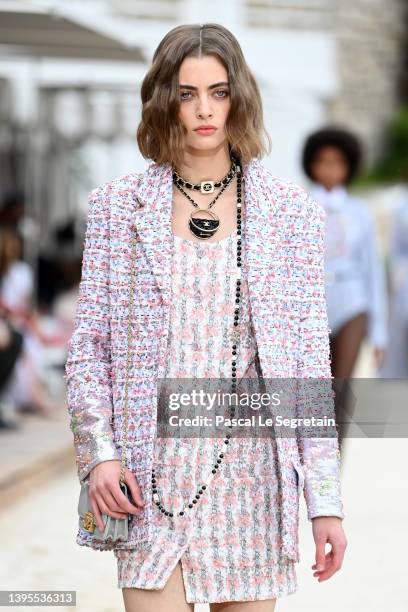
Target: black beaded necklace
x=202, y=488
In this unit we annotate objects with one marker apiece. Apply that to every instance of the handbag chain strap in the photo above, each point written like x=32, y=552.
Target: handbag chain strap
x=129, y=340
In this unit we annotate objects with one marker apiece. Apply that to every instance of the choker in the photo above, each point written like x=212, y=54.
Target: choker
x=205, y=186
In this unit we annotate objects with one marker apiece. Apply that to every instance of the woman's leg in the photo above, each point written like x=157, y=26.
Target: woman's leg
x=345, y=347
x=267, y=605
x=172, y=598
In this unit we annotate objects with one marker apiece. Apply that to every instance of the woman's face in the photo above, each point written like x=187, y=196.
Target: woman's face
x=204, y=100
x=329, y=167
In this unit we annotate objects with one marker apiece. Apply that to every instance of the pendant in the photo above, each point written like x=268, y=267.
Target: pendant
x=207, y=187
x=203, y=228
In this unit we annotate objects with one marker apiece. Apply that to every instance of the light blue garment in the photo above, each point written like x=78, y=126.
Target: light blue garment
x=355, y=278
x=399, y=246
x=396, y=359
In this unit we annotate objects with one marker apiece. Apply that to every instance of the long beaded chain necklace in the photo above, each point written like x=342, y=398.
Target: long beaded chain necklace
x=202, y=488
x=200, y=227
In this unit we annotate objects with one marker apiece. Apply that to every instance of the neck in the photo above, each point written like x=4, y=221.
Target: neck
x=331, y=187
x=200, y=166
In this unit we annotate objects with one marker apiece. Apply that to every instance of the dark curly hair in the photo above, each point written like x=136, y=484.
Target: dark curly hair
x=331, y=136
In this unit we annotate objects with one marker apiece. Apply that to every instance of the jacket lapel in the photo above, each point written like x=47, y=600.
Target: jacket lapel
x=153, y=224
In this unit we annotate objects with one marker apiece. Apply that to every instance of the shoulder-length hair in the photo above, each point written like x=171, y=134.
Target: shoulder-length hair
x=160, y=132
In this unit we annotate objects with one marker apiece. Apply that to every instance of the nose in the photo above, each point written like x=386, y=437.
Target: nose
x=204, y=107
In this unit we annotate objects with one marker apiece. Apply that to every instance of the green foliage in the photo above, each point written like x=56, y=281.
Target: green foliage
x=392, y=164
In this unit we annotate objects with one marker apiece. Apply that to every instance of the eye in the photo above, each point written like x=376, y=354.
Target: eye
x=219, y=93
x=222, y=91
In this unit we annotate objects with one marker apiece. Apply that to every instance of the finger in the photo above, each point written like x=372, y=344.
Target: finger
x=125, y=502
x=114, y=500
x=337, y=554
x=326, y=563
x=320, y=556
x=327, y=567
x=120, y=502
x=111, y=503
x=134, y=487
x=336, y=560
x=105, y=509
x=117, y=500
x=97, y=514
x=328, y=573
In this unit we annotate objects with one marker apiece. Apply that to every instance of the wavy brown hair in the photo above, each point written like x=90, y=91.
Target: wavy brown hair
x=160, y=133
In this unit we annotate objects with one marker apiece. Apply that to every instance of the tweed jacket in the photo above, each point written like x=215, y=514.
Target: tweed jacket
x=283, y=259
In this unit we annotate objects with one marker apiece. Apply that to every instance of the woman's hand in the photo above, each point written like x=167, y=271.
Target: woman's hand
x=106, y=495
x=328, y=529
x=379, y=356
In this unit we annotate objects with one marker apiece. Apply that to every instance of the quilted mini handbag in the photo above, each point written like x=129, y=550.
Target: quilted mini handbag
x=115, y=529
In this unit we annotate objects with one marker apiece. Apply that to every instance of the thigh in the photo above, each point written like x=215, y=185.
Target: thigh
x=171, y=598
x=266, y=605
x=345, y=346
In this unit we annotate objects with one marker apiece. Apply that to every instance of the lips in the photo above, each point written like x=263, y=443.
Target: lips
x=204, y=131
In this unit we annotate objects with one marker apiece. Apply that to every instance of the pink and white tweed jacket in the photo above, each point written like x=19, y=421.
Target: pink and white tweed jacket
x=283, y=260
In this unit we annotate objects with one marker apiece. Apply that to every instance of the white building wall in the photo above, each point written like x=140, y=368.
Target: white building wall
x=310, y=64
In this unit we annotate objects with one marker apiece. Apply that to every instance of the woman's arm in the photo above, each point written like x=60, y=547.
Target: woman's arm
x=320, y=456
x=87, y=369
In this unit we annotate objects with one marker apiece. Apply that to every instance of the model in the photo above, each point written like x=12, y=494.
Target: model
x=229, y=283
x=355, y=280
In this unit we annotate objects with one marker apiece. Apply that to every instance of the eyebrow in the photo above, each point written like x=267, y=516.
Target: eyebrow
x=220, y=84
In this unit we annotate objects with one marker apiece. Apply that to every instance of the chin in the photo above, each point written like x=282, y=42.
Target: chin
x=205, y=144
x=208, y=146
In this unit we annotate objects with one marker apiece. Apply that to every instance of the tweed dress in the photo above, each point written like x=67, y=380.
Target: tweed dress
x=229, y=543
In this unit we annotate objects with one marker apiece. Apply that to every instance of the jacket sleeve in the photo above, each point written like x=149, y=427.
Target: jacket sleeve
x=87, y=368
x=320, y=456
